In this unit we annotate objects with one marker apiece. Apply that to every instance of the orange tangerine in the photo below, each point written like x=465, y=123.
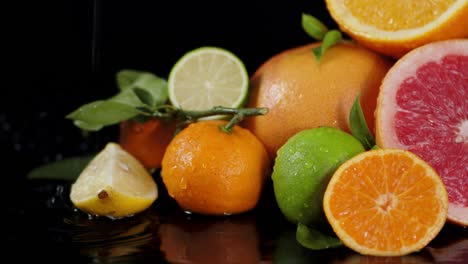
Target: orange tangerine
x=146, y=141
x=386, y=202
x=210, y=171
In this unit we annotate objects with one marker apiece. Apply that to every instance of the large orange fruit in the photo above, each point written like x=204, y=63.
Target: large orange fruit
x=386, y=202
x=302, y=92
x=423, y=107
x=210, y=171
x=394, y=27
x=146, y=141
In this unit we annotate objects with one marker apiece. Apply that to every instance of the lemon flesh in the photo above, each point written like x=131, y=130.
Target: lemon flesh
x=208, y=77
x=114, y=184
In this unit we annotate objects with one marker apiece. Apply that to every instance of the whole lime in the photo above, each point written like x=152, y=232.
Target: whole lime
x=303, y=168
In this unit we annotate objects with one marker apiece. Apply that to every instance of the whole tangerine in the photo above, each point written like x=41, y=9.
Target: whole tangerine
x=146, y=141
x=210, y=171
x=302, y=92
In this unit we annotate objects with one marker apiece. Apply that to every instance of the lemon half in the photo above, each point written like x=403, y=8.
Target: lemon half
x=114, y=184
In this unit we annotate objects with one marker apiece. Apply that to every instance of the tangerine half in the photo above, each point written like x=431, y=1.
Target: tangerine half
x=386, y=202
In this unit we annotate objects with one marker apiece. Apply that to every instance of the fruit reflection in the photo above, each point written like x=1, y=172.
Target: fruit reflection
x=196, y=239
x=450, y=246
x=356, y=258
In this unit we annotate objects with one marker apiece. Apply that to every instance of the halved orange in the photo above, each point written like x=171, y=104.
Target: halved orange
x=394, y=27
x=386, y=202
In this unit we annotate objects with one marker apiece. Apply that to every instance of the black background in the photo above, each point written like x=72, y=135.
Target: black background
x=66, y=53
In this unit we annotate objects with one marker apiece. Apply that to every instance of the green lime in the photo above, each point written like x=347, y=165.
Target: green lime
x=206, y=77
x=303, y=168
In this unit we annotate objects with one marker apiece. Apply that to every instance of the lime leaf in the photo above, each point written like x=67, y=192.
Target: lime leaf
x=127, y=78
x=103, y=113
x=314, y=239
x=66, y=169
x=358, y=125
x=331, y=38
x=144, y=96
x=313, y=27
x=87, y=126
x=156, y=86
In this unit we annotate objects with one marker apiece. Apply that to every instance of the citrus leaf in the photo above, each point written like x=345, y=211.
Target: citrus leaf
x=331, y=38
x=313, y=27
x=156, y=86
x=103, y=113
x=144, y=96
x=66, y=169
x=358, y=125
x=127, y=78
x=87, y=126
x=314, y=239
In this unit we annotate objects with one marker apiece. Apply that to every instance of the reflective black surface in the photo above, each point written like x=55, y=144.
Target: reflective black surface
x=45, y=225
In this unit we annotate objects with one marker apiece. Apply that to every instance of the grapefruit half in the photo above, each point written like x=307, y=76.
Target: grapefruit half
x=423, y=107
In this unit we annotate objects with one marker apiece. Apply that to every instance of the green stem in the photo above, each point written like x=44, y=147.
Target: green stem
x=221, y=110
x=190, y=116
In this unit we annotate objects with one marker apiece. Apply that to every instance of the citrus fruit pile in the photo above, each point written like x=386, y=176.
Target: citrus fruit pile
x=210, y=167
x=310, y=119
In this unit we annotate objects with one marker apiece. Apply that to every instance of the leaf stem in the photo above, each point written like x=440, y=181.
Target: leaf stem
x=238, y=114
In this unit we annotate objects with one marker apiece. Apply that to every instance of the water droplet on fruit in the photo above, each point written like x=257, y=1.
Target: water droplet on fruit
x=308, y=165
x=137, y=129
x=183, y=183
x=124, y=167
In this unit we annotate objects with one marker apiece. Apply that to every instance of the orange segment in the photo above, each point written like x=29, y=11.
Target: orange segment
x=394, y=27
x=392, y=18
x=386, y=202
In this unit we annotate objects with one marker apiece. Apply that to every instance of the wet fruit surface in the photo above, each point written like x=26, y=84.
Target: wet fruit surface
x=422, y=107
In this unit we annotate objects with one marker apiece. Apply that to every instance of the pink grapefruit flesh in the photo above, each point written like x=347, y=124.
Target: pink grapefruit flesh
x=423, y=107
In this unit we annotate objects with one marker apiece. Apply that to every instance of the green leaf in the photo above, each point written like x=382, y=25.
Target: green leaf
x=358, y=125
x=127, y=78
x=331, y=38
x=313, y=27
x=144, y=96
x=87, y=126
x=66, y=169
x=314, y=239
x=103, y=113
x=156, y=86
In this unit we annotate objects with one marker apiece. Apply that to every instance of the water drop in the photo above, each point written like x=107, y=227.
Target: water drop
x=183, y=183
x=124, y=167
x=308, y=165
x=137, y=129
